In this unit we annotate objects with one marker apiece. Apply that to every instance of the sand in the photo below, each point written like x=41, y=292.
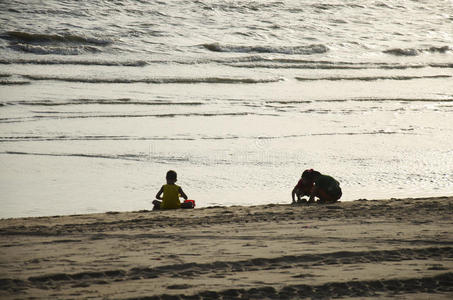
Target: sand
x=384, y=249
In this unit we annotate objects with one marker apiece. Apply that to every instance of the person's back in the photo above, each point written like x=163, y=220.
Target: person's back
x=170, y=199
x=327, y=188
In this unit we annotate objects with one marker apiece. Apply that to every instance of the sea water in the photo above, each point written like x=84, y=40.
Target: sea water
x=98, y=99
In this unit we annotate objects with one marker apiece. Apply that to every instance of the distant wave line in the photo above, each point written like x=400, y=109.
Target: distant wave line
x=373, y=78
x=137, y=63
x=339, y=66
x=59, y=117
x=133, y=157
x=162, y=80
x=89, y=138
x=370, y=99
x=195, y=138
x=100, y=102
x=237, y=62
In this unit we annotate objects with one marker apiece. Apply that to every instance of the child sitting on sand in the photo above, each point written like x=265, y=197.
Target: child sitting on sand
x=172, y=192
x=315, y=184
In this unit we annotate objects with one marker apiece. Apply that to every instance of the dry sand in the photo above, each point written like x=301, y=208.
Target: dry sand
x=399, y=248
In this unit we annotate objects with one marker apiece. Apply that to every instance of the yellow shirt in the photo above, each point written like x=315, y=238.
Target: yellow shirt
x=170, y=199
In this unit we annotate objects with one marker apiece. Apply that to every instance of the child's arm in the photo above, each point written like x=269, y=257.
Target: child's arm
x=293, y=193
x=181, y=192
x=159, y=193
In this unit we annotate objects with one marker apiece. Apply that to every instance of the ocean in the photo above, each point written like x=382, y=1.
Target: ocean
x=98, y=99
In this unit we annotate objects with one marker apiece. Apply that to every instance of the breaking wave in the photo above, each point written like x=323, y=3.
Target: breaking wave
x=162, y=80
x=60, y=50
x=309, y=49
x=66, y=44
x=415, y=52
x=31, y=38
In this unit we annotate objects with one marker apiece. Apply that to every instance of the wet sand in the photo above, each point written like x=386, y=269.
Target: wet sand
x=386, y=249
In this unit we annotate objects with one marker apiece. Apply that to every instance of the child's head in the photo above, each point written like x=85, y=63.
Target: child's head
x=310, y=175
x=171, y=177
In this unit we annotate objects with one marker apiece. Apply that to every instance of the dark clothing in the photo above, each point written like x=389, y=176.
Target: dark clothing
x=329, y=187
x=303, y=187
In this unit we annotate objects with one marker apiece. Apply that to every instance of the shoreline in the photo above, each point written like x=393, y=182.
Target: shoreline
x=198, y=208
x=363, y=248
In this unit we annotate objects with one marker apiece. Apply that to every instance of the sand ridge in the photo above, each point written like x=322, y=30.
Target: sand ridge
x=367, y=249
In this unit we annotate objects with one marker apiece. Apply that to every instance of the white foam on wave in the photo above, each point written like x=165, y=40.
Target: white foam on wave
x=60, y=50
x=417, y=51
x=305, y=50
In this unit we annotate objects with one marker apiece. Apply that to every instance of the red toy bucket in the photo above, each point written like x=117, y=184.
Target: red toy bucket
x=192, y=202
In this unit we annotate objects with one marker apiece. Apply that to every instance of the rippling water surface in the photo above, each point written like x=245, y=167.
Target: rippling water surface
x=99, y=99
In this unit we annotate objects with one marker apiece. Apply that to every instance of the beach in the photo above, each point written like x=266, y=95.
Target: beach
x=369, y=249
x=98, y=102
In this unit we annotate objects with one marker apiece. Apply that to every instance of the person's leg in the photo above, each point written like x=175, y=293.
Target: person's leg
x=325, y=197
x=156, y=204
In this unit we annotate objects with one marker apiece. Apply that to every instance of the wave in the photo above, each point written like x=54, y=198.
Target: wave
x=87, y=116
x=239, y=6
x=405, y=100
x=88, y=138
x=59, y=50
x=122, y=101
x=39, y=138
x=334, y=66
x=5, y=139
x=306, y=50
x=66, y=44
x=162, y=80
x=253, y=61
x=297, y=66
x=327, y=6
x=373, y=78
x=257, y=61
x=14, y=82
x=37, y=38
x=134, y=157
x=364, y=99
x=441, y=65
x=131, y=63
x=415, y=51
